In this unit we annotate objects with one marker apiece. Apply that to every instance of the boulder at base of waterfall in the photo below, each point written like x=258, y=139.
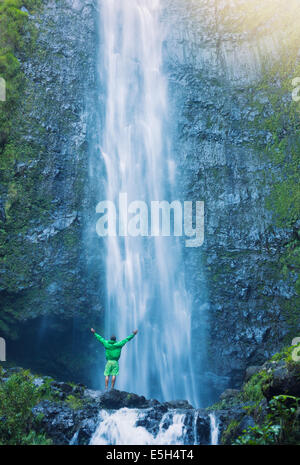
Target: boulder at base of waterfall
x=115, y=399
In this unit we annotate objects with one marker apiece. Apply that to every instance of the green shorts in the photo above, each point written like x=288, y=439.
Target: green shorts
x=111, y=368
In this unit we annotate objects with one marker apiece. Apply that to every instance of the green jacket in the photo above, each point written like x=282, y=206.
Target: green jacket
x=113, y=348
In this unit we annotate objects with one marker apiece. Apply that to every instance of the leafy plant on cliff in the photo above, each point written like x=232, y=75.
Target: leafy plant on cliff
x=13, y=28
x=259, y=435
x=284, y=410
x=74, y=402
x=287, y=354
x=230, y=432
x=23, y=198
x=276, y=421
x=252, y=390
x=281, y=425
x=17, y=424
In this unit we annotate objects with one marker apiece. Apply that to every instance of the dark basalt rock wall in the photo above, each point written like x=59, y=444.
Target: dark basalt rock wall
x=215, y=61
x=50, y=291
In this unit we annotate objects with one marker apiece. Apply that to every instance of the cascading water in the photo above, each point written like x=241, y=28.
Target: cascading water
x=138, y=427
x=144, y=275
x=120, y=428
x=214, y=429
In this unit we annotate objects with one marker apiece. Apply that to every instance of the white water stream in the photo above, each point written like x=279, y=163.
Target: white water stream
x=144, y=275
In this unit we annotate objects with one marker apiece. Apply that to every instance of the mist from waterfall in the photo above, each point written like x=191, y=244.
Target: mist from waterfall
x=145, y=281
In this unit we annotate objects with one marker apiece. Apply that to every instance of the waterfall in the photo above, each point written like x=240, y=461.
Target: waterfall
x=145, y=282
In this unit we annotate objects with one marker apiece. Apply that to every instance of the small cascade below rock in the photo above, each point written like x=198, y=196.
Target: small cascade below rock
x=214, y=429
x=123, y=418
x=154, y=426
x=120, y=427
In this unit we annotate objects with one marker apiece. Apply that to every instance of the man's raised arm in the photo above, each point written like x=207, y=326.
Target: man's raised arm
x=127, y=339
x=100, y=338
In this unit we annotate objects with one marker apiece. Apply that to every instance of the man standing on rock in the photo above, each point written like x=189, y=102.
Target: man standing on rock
x=112, y=353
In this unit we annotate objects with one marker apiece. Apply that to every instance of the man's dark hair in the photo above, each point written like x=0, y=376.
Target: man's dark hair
x=113, y=338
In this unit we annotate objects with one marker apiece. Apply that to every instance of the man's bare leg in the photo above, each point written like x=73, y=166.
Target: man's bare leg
x=106, y=382
x=113, y=380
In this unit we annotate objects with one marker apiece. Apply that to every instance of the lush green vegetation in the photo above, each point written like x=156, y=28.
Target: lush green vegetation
x=74, y=402
x=252, y=390
x=14, y=27
x=249, y=396
x=287, y=354
x=18, y=395
x=17, y=424
x=23, y=197
x=276, y=421
x=280, y=426
x=279, y=117
x=230, y=432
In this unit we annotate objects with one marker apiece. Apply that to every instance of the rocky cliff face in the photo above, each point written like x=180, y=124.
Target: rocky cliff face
x=48, y=288
x=217, y=54
x=215, y=59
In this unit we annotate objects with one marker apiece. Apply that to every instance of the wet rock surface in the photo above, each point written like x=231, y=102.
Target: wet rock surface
x=59, y=421
x=45, y=276
x=64, y=424
x=115, y=399
x=239, y=292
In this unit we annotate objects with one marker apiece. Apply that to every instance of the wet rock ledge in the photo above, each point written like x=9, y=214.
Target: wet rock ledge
x=78, y=418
